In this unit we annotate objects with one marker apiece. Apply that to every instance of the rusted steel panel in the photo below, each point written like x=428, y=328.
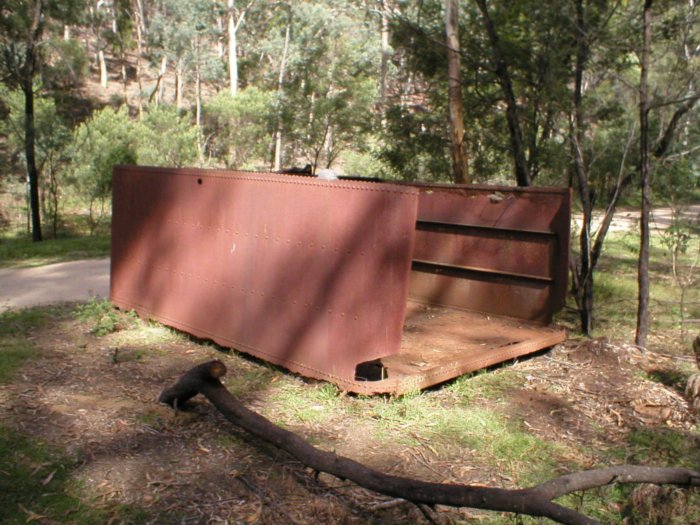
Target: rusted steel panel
x=500, y=250
x=307, y=274
x=504, y=251
x=314, y=275
x=443, y=343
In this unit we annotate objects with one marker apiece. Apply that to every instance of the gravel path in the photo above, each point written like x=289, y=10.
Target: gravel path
x=628, y=220
x=67, y=281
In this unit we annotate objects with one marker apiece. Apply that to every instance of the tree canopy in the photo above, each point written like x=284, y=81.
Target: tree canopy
x=550, y=94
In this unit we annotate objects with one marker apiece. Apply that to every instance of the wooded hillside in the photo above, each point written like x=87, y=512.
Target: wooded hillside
x=600, y=96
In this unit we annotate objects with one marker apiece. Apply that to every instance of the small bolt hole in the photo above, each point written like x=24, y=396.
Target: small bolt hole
x=199, y=181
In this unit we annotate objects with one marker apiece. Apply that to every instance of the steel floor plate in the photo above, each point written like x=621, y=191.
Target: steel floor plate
x=440, y=344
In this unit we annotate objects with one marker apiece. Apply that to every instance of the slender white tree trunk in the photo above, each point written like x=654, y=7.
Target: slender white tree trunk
x=232, y=49
x=280, y=93
x=139, y=53
x=220, y=47
x=385, y=53
x=103, y=68
x=179, y=84
x=161, y=79
x=198, y=95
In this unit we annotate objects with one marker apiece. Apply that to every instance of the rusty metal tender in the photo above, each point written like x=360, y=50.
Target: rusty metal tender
x=376, y=287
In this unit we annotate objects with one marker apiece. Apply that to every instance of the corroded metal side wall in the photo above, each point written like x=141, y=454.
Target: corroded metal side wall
x=308, y=274
x=499, y=250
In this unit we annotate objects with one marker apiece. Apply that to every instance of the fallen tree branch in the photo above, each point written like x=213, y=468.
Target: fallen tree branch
x=534, y=501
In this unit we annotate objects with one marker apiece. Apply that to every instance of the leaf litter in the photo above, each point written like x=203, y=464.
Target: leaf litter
x=192, y=466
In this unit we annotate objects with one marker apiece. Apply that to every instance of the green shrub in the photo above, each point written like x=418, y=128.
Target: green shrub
x=239, y=128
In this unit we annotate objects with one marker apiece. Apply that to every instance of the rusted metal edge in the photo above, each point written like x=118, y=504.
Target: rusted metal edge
x=384, y=187
x=397, y=386
x=470, y=363
x=226, y=342
x=449, y=227
x=483, y=187
x=446, y=268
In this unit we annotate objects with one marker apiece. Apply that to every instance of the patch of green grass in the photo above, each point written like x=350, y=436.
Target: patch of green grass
x=15, y=345
x=124, y=355
x=21, y=253
x=13, y=353
x=247, y=379
x=661, y=446
x=498, y=441
x=136, y=332
x=100, y=313
x=602, y=504
x=305, y=403
x=486, y=384
x=398, y=417
x=22, y=322
x=615, y=282
x=36, y=485
x=483, y=431
x=229, y=440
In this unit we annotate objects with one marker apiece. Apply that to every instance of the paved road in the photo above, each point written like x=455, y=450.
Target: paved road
x=68, y=281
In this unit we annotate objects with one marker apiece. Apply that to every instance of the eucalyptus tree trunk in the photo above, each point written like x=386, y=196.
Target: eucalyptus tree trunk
x=280, y=93
x=384, y=66
x=159, y=91
x=232, y=49
x=583, y=272
x=179, y=83
x=522, y=170
x=590, y=243
x=643, y=263
x=30, y=150
x=198, y=95
x=125, y=76
x=27, y=72
x=458, y=150
x=140, y=28
x=220, y=48
x=103, y=68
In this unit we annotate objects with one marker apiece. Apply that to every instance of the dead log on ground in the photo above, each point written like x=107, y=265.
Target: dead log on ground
x=534, y=501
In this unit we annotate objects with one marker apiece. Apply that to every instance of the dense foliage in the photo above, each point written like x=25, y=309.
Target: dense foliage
x=551, y=94
x=317, y=75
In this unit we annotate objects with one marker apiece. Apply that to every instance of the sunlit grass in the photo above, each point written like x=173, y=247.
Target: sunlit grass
x=297, y=402
x=20, y=253
x=616, y=289
x=249, y=378
x=485, y=384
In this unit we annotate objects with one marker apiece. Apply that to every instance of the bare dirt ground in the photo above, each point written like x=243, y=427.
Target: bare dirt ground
x=96, y=398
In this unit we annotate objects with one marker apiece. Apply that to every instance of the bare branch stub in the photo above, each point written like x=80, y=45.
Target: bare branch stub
x=535, y=501
x=190, y=384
